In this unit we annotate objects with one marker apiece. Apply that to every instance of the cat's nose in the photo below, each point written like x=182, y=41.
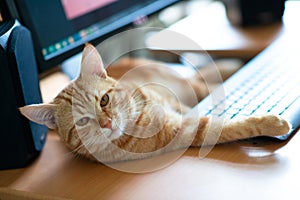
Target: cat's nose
x=106, y=124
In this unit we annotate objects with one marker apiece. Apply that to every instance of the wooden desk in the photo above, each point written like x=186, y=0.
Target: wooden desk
x=240, y=170
x=208, y=30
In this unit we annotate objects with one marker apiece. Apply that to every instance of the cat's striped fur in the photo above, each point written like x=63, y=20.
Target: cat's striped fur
x=108, y=120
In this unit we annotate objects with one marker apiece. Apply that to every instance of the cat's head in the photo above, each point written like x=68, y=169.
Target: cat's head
x=89, y=110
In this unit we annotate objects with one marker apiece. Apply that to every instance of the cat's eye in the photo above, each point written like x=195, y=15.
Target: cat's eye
x=104, y=100
x=83, y=121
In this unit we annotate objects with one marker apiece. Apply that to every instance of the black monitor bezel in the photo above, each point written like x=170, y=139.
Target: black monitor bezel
x=17, y=7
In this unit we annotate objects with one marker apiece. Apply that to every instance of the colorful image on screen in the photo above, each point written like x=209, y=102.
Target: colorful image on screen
x=76, y=8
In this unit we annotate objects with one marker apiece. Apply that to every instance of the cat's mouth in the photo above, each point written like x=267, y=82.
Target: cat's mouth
x=112, y=130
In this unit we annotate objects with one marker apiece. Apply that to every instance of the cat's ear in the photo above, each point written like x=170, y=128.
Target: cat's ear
x=41, y=114
x=91, y=62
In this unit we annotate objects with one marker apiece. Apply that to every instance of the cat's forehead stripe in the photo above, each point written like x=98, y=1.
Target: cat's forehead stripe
x=78, y=94
x=80, y=91
x=76, y=104
x=66, y=98
x=80, y=110
x=87, y=95
x=110, y=90
x=80, y=97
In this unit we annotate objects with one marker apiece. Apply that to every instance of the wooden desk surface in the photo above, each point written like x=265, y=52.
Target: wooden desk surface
x=209, y=30
x=241, y=170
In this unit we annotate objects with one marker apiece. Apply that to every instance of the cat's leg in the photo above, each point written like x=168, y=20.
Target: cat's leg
x=193, y=132
x=267, y=125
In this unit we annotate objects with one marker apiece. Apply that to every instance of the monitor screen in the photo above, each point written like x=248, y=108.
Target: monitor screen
x=60, y=27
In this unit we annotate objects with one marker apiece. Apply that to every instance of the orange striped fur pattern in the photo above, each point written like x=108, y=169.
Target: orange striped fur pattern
x=108, y=120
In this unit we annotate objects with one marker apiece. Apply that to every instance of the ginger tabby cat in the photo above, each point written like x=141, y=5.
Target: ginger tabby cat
x=110, y=121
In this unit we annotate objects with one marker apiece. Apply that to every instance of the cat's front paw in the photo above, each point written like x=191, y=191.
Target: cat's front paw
x=272, y=125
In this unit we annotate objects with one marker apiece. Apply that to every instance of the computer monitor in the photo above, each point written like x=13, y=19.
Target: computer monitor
x=60, y=27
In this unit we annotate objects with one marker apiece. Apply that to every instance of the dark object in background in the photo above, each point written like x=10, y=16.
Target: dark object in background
x=20, y=140
x=254, y=12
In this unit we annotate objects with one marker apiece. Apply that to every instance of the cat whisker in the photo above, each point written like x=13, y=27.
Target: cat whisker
x=129, y=107
x=74, y=153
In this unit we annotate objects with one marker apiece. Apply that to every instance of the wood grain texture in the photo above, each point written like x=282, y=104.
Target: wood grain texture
x=207, y=29
x=240, y=170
